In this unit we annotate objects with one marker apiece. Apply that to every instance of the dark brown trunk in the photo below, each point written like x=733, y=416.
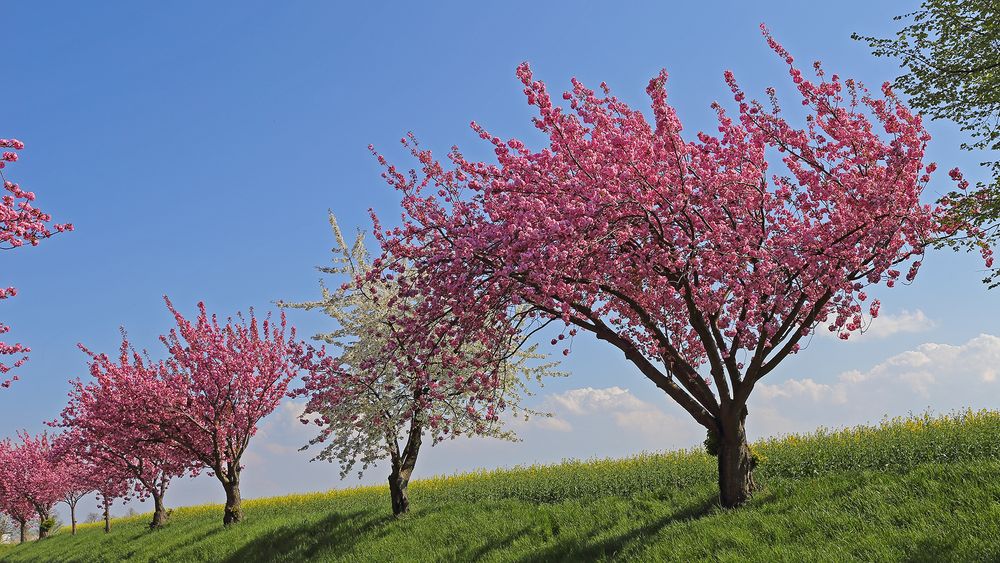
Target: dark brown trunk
x=159, y=512
x=107, y=517
x=72, y=518
x=403, y=464
x=43, y=523
x=234, y=504
x=397, y=492
x=736, y=464
x=24, y=530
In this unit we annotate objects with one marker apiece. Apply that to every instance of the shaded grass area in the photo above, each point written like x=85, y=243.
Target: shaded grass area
x=916, y=489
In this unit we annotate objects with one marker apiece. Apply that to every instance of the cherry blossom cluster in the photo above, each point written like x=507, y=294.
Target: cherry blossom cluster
x=721, y=249
x=33, y=478
x=197, y=409
x=20, y=223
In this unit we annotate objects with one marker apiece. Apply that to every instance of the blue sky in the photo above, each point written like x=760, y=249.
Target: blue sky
x=197, y=146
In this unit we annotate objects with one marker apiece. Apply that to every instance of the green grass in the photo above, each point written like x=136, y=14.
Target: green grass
x=917, y=489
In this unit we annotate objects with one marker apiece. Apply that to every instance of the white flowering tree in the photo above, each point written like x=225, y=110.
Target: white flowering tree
x=380, y=397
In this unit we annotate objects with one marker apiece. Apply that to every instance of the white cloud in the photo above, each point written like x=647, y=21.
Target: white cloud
x=903, y=322
x=627, y=411
x=944, y=376
x=795, y=388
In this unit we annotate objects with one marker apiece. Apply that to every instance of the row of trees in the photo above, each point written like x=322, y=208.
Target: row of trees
x=137, y=422
x=706, y=262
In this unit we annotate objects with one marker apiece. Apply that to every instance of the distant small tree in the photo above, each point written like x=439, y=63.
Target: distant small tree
x=79, y=473
x=950, y=50
x=108, y=418
x=36, y=475
x=92, y=517
x=376, y=400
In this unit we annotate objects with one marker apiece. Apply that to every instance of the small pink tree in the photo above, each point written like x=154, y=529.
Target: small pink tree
x=219, y=381
x=78, y=472
x=20, y=224
x=109, y=418
x=36, y=475
x=111, y=483
x=12, y=502
x=704, y=261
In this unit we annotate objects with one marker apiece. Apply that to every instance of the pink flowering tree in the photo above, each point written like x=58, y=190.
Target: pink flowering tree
x=78, y=473
x=36, y=475
x=20, y=224
x=378, y=398
x=109, y=419
x=705, y=260
x=111, y=483
x=218, y=382
x=12, y=502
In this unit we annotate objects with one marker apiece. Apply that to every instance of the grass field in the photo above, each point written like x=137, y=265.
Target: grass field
x=916, y=489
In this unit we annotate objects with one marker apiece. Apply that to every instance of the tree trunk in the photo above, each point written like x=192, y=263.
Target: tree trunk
x=234, y=503
x=24, y=530
x=107, y=517
x=736, y=464
x=403, y=464
x=159, y=512
x=72, y=518
x=43, y=523
x=397, y=492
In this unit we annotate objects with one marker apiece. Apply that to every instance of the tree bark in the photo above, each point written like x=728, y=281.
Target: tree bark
x=234, y=503
x=736, y=464
x=159, y=511
x=24, y=530
x=403, y=464
x=72, y=518
x=397, y=492
x=107, y=517
x=43, y=524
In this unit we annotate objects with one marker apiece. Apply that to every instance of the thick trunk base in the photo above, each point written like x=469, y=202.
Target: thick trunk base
x=397, y=492
x=44, y=521
x=160, y=514
x=234, y=505
x=736, y=465
x=24, y=532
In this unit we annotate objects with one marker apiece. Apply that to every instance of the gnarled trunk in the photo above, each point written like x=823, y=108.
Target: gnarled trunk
x=403, y=464
x=736, y=464
x=43, y=522
x=230, y=479
x=234, y=504
x=160, y=514
x=397, y=492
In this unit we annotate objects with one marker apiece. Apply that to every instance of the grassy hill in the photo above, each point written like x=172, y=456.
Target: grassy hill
x=916, y=489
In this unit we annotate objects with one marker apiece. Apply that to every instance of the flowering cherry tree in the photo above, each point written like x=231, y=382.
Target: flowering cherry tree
x=380, y=396
x=110, y=484
x=79, y=473
x=36, y=475
x=20, y=224
x=12, y=502
x=704, y=260
x=109, y=420
x=218, y=382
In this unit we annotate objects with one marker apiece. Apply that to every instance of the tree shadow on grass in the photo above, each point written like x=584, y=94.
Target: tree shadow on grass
x=305, y=542
x=609, y=547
